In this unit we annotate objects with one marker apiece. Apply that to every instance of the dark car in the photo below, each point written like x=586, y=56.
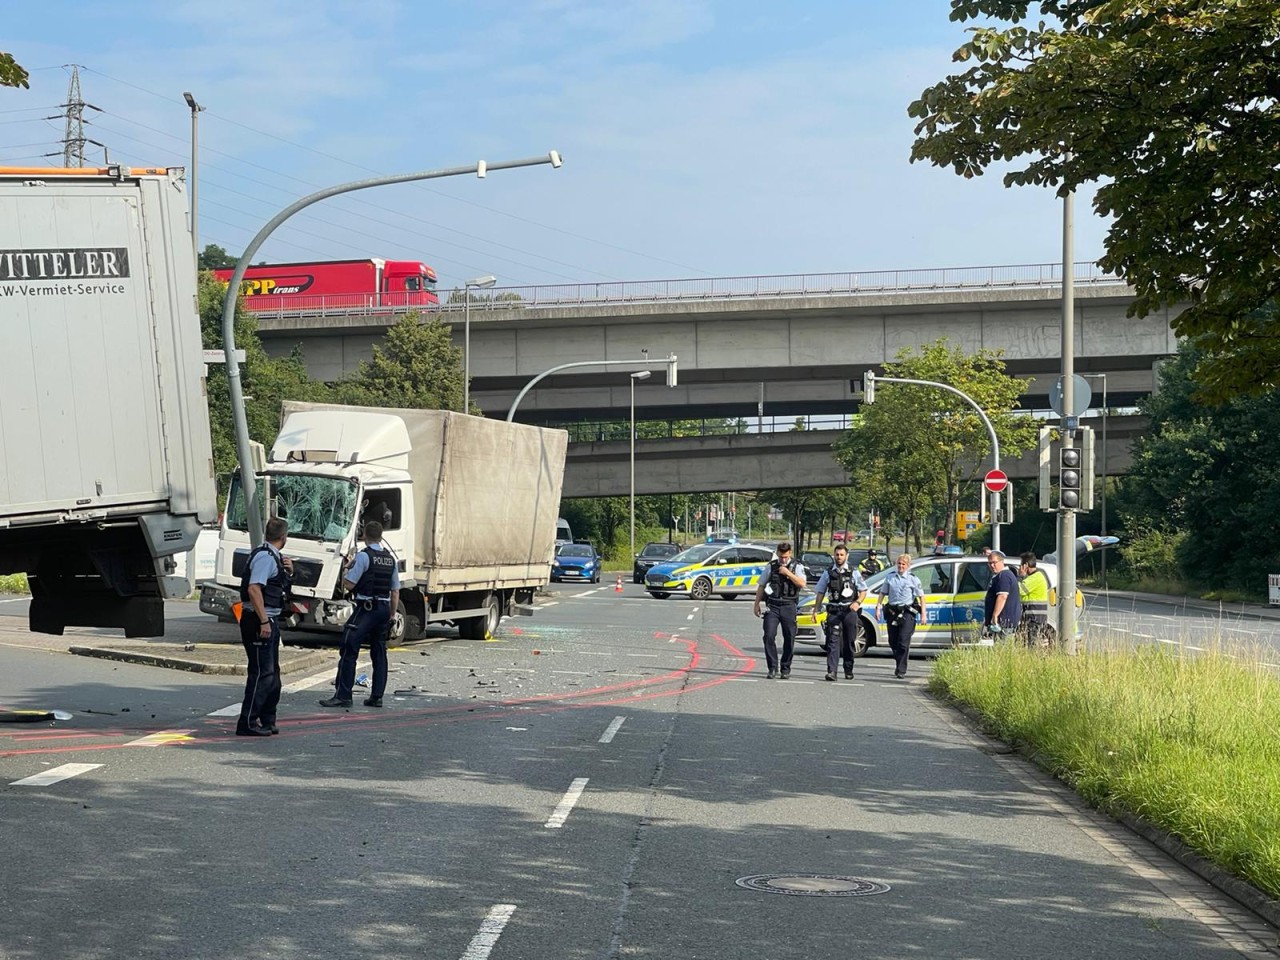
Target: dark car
x=816, y=563
x=576, y=561
x=653, y=553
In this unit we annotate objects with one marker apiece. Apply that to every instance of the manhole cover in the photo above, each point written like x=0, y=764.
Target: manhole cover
x=813, y=885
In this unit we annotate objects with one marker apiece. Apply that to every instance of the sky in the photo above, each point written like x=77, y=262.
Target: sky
x=701, y=138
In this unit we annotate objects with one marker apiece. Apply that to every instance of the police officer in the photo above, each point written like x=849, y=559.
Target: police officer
x=1033, y=591
x=264, y=587
x=902, y=600
x=870, y=564
x=1002, y=608
x=374, y=579
x=778, y=590
x=845, y=590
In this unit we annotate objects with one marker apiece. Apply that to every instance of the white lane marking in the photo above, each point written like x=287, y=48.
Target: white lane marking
x=57, y=774
x=745, y=679
x=607, y=736
x=574, y=673
x=491, y=928
x=548, y=603
x=696, y=609
x=163, y=737
x=644, y=654
x=566, y=803
x=584, y=593
x=306, y=683
x=689, y=617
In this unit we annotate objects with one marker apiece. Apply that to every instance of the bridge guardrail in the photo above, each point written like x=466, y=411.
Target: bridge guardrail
x=944, y=279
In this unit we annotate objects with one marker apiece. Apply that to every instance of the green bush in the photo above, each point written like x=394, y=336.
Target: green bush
x=1153, y=555
x=14, y=583
x=1190, y=744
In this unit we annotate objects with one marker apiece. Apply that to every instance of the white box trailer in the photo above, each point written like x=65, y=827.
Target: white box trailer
x=470, y=508
x=106, y=468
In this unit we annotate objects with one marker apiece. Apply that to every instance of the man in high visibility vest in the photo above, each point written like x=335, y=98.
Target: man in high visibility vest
x=1033, y=590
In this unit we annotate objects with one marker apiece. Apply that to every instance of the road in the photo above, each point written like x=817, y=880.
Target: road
x=1230, y=628
x=593, y=784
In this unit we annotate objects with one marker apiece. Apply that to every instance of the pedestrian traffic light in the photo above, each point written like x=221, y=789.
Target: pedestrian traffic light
x=1070, y=472
x=1046, y=468
x=869, y=387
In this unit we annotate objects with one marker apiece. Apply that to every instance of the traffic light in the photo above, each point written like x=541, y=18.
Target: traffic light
x=1046, y=468
x=1070, y=475
x=869, y=387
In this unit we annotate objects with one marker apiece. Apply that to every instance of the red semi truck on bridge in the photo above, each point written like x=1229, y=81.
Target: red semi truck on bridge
x=337, y=286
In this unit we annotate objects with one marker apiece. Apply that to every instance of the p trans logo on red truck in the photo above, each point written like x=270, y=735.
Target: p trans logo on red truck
x=262, y=286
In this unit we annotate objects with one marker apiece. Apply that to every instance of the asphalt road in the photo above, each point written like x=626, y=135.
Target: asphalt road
x=590, y=785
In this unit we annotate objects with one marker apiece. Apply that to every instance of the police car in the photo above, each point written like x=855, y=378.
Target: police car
x=721, y=569
x=955, y=589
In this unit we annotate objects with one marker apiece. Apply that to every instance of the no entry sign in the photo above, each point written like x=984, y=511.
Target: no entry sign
x=995, y=480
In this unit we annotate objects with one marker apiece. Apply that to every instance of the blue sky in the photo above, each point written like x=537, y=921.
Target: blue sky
x=700, y=137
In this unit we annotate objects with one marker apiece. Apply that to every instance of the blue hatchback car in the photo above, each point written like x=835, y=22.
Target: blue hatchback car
x=576, y=561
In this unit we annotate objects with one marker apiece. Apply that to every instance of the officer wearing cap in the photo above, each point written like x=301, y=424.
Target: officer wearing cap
x=870, y=564
x=845, y=590
x=902, y=600
x=1002, y=607
x=780, y=586
x=374, y=579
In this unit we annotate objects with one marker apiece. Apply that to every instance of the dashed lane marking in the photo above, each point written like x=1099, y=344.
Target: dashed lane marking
x=163, y=737
x=607, y=736
x=56, y=775
x=566, y=803
x=491, y=928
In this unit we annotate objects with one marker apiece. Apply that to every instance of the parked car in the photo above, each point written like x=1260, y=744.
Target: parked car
x=652, y=554
x=816, y=563
x=576, y=561
x=954, y=591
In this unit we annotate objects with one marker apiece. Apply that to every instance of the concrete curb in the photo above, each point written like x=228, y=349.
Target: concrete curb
x=1244, y=893
x=287, y=664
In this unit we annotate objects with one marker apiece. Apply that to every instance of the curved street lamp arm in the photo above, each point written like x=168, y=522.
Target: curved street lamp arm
x=642, y=363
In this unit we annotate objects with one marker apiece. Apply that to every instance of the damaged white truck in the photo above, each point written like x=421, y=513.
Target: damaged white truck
x=468, y=506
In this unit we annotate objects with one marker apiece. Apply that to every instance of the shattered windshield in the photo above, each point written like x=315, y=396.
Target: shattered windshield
x=316, y=508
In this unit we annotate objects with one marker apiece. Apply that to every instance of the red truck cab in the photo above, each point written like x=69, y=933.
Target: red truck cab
x=337, y=286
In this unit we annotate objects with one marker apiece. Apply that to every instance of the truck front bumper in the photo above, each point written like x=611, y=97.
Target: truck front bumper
x=217, y=600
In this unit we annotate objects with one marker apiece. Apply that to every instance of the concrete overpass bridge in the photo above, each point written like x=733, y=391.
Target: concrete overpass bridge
x=753, y=461
x=780, y=346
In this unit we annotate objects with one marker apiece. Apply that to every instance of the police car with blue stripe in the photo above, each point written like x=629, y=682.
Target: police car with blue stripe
x=710, y=569
x=955, y=588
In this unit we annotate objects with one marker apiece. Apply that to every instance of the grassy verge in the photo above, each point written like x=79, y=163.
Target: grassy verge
x=1191, y=744
x=14, y=583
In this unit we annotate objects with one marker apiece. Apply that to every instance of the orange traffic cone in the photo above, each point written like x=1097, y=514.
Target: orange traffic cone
x=617, y=587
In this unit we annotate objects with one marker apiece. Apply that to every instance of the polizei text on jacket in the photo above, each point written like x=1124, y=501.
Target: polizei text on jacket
x=80, y=263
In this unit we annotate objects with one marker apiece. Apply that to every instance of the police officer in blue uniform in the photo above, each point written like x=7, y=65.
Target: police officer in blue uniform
x=264, y=589
x=902, y=599
x=845, y=590
x=779, y=587
x=374, y=579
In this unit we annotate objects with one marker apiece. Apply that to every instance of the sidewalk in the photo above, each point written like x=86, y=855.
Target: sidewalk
x=1229, y=610
x=214, y=658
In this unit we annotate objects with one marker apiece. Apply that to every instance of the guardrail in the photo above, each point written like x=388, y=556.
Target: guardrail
x=800, y=285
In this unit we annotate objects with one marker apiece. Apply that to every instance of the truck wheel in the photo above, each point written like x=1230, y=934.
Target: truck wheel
x=701, y=589
x=483, y=627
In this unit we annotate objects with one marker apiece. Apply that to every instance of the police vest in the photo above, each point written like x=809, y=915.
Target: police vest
x=1034, y=591
x=277, y=585
x=375, y=582
x=837, y=581
x=783, y=588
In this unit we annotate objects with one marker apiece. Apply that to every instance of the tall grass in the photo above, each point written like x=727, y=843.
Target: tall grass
x=1189, y=743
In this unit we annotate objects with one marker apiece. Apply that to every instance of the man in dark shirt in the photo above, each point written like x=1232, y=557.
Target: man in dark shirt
x=1002, y=609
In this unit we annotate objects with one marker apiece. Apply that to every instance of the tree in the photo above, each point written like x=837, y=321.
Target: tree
x=1204, y=479
x=416, y=366
x=11, y=73
x=213, y=257
x=912, y=450
x=267, y=381
x=1174, y=107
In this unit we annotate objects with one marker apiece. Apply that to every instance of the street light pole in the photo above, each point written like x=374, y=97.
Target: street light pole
x=638, y=375
x=670, y=361
x=1066, y=515
x=195, y=175
x=253, y=512
x=478, y=282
